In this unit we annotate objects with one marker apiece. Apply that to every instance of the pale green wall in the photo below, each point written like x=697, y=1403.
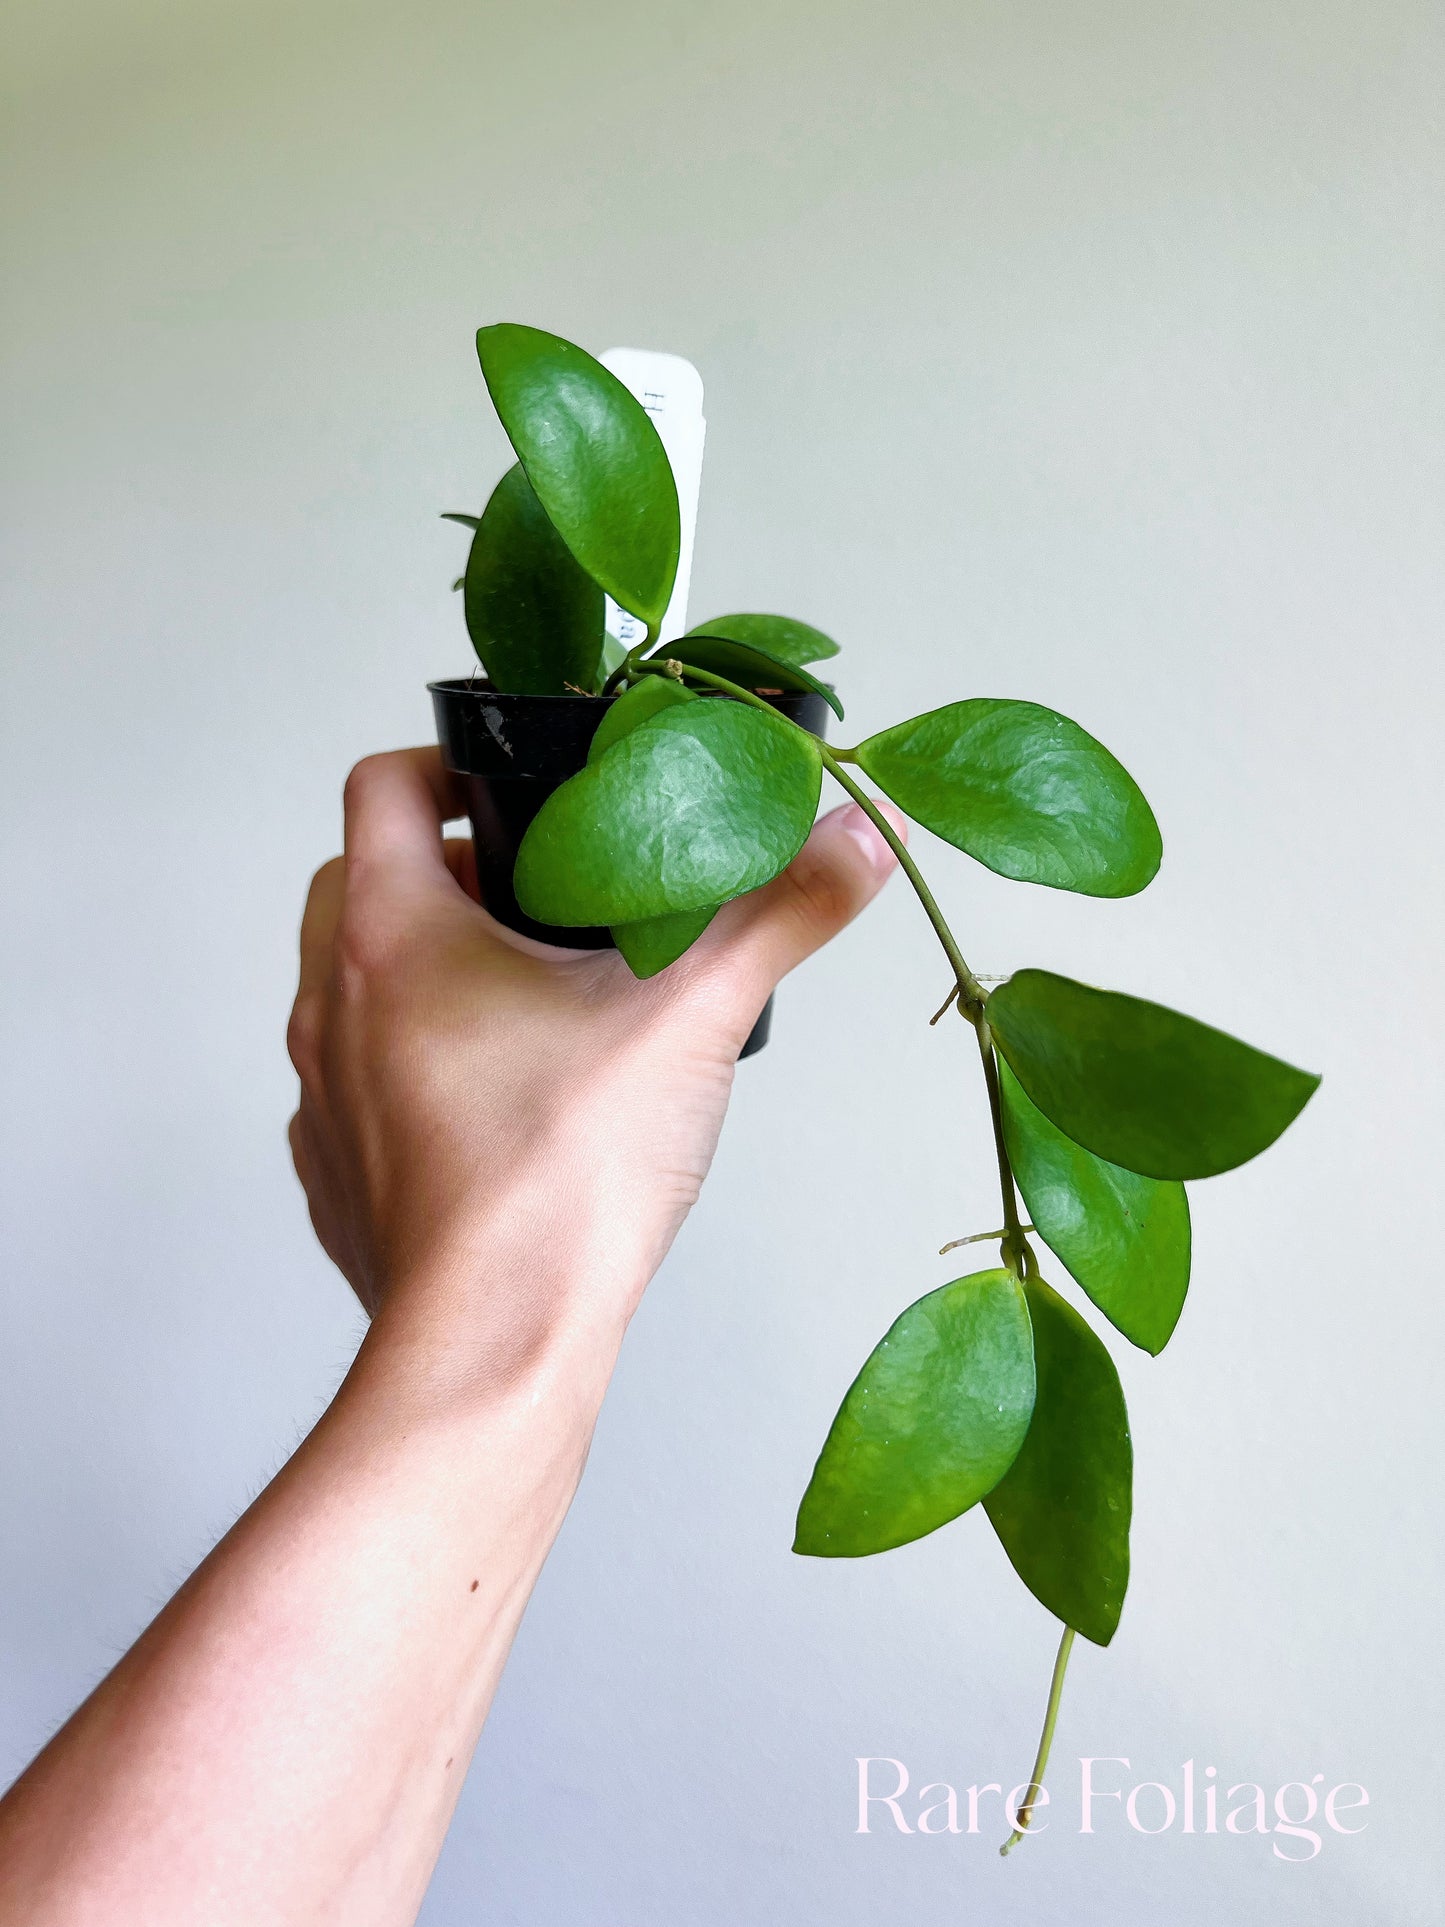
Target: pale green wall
x=1085, y=353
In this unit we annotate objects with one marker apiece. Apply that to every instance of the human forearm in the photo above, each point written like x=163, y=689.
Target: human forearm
x=497, y=1142
x=286, y=1742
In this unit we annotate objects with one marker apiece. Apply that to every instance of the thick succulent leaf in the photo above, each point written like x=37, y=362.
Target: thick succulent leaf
x=1062, y=1508
x=655, y=942
x=634, y=706
x=708, y=800
x=1139, y=1084
x=1123, y=1237
x=784, y=639
x=594, y=458
x=746, y=665
x=535, y=618
x=1023, y=790
x=929, y=1426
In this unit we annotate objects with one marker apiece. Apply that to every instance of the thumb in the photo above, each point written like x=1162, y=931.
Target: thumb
x=840, y=869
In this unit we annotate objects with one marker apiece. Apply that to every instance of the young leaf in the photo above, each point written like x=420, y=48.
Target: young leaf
x=1062, y=1508
x=708, y=800
x=1025, y=791
x=745, y=664
x=637, y=705
x=1139, y=1084
x=1124, y=1238
x=931, y=1423
x=594, y=458
x=784, y=639
x=655, y=942
x=535, y=618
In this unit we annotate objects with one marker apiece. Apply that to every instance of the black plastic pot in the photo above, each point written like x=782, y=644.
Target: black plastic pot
x=511, y=752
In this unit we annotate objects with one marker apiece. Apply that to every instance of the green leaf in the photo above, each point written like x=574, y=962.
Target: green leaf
x=655, y=942
x=783, y=639
x=1025, y=791
x=594, y=458
x=708, y=800
x=1062, y=1509
x=745, y=664
x=930, y=1424
x=1138, y=1084
x=1123, y=1237
x=637, y=705
x=535, y=618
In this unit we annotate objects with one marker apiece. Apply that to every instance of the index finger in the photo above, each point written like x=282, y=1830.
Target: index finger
x=395, y=805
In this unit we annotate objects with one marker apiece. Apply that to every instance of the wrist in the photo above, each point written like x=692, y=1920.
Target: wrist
x=526, y=1302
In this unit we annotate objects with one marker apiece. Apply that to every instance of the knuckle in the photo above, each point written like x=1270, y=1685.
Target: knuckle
x=303, y=1039
x=369, y=939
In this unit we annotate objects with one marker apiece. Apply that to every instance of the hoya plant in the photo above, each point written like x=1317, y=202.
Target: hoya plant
x=996, y=1389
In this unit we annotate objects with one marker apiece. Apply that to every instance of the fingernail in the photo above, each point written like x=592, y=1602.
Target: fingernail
x=856, y=825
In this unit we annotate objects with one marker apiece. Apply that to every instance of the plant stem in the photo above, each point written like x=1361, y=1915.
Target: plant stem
x=971, y=1003
x=1046, y=1740
x=1014, y=1244
x=970, y=991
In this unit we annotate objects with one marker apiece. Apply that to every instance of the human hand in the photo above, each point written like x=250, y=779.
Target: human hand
x=494, y=1126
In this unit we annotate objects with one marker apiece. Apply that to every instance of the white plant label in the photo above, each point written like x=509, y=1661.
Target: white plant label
x=670, y=389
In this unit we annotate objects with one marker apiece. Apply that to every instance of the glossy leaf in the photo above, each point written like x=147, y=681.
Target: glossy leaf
x=746, y=665
x=1025, y=791
x=634, y=706
x=784, y=639
x=655, y=942
x=708, y=800
x=1062, y=1508
x=594, y=458
x=931, y=1423
x=535, y=618
x=652, y=943
x=1123, y=1237
x=1139, y=1084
